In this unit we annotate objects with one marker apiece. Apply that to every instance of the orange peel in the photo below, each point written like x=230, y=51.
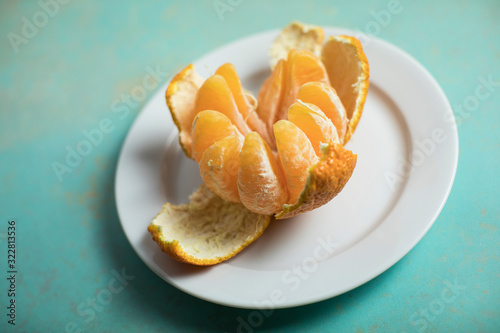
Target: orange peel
x=348, y=71
x=207, y=230
x=179, y=95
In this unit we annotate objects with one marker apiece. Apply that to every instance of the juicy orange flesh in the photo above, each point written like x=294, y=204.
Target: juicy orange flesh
x=271, y=95
x=208, y=127
x=234, y=144
x=260, y=180
x=219, y=167
x=325, y=98
x=301, y=67
x=228, y=72
x=314, y=123
x=215, y=94
x=296, y=156
x=243, y=104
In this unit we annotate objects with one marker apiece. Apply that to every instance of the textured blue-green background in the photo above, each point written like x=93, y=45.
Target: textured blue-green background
x=63, y=81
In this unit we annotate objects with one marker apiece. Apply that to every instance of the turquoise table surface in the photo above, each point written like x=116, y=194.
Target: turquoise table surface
x=65, y=66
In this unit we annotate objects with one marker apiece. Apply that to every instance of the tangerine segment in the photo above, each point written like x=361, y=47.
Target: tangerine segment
x=181, y=96
x=238, y=104
x=215, y=94
x=228, y=72
x=325, y=97
x=314, y=123
x=301, y=67
x=245, y=102
x=325, y=180
x=271, y=94
x=219, y=167
x=348, y=71
x=296, y=155
x=261, y=183
x=208, y=127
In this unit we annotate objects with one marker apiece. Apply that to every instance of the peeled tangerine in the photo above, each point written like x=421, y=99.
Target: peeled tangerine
x=279, y=155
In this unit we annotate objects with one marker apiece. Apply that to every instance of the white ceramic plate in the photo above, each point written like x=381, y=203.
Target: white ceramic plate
x=407, y=148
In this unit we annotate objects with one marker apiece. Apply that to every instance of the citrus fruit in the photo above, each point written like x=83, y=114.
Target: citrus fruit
x=279, y=155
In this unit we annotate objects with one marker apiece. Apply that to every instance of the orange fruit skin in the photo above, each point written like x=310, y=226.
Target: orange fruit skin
x=325, y=98
x=314, y=123
x=348, y=72
x=208, y=127
x=204, y=200
x=326, y=179
x=296, y=156
x=296, y=35
x=179, y=97
x=175, y=250
x=219, y=167
x=261, y=183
